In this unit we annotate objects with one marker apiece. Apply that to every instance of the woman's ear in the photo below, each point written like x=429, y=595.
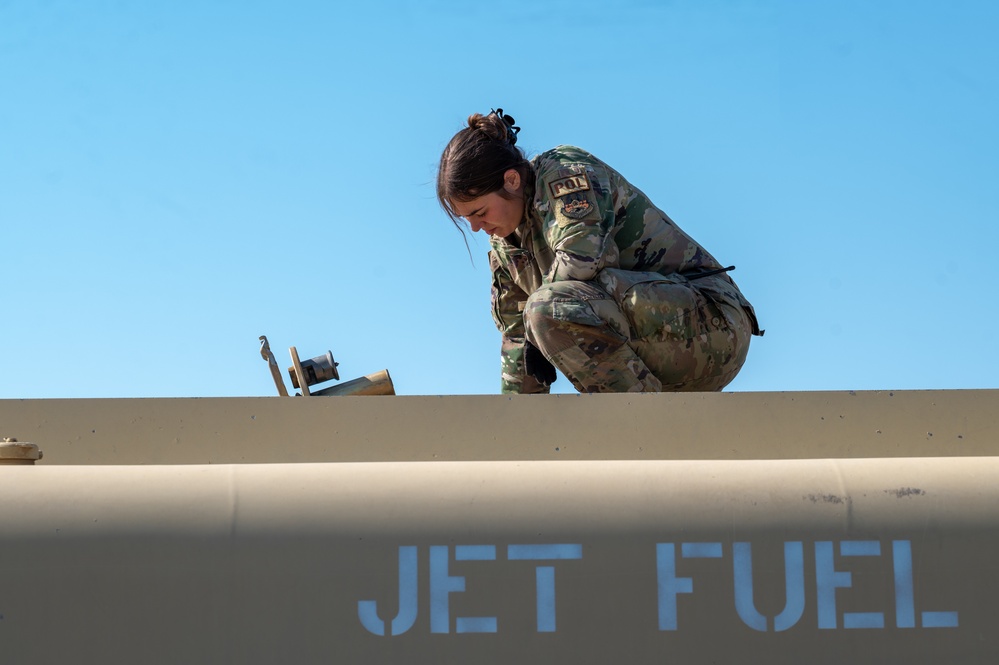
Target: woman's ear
x=511, y=181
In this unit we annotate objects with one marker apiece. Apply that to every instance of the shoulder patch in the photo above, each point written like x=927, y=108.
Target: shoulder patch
x=576, y=206
x=569, y=184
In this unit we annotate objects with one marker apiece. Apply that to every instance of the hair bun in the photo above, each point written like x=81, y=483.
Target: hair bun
x=496, y=125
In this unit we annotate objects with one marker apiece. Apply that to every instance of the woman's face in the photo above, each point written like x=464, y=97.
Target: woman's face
x=493, y=213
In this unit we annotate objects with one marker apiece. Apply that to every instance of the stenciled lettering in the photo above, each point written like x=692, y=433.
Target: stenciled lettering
x=443, y=584
x=367, y=610
x=545, y=576
x=831, y=579
x=905, y=609
x=828, y=580
x=794, y=587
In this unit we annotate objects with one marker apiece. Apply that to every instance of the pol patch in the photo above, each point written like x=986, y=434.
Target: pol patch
x=569, y=185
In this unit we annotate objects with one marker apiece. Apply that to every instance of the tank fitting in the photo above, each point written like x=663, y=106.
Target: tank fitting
x=13, y=452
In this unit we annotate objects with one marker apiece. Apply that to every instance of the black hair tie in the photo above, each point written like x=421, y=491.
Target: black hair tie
x=511, y=130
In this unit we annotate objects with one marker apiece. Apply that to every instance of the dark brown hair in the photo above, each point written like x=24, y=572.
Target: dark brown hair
x=474, y=161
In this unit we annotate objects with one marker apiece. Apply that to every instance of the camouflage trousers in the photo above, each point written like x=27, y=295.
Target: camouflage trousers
x=638, y=332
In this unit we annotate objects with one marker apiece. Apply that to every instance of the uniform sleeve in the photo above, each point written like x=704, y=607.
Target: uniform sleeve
x=508, y=304
x=579, y=222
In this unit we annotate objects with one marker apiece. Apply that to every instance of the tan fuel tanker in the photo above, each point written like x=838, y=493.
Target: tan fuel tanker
x=670, y=528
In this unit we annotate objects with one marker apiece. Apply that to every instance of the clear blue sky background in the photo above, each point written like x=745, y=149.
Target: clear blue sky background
x=178, y=178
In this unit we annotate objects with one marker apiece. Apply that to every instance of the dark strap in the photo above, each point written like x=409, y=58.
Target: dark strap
x=697, y=274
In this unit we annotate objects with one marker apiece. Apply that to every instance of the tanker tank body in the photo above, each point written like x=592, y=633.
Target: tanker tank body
x=826, y=527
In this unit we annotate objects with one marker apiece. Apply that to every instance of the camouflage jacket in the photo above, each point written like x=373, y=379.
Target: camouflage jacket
x=582, y=216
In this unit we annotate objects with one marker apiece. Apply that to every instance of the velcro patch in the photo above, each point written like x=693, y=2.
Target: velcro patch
x=576, y=207
x=569, y=185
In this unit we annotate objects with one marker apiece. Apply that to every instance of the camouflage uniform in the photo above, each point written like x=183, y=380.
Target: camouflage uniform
x=610, y=290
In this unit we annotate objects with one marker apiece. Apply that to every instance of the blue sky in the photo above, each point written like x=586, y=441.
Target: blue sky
x=179, y=178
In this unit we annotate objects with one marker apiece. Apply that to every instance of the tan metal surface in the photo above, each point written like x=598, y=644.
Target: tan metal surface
x=376, y=383
x=14, y=452
x=556, y=427
x=888, y=561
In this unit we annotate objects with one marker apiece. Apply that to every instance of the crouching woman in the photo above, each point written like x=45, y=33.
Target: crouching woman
x=589, y=276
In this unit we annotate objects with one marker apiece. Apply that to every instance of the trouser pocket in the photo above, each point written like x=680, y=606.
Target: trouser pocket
x=660, y=307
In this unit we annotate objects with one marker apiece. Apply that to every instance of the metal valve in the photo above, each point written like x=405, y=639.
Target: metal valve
x=323, y=368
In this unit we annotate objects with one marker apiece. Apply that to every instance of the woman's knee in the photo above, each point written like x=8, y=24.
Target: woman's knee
x=561, y=314
x=561, y=303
